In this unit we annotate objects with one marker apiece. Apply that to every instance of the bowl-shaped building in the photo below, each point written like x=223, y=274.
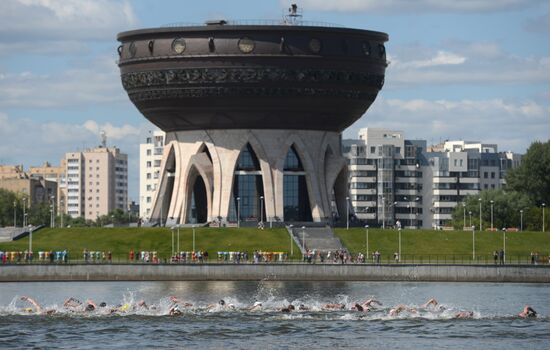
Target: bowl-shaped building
x=253, y=115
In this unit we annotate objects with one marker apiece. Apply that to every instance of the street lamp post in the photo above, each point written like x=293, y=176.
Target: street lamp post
x=347, y=213
x=262, y=210
x=193, y=237
x=30, y=239
x=14, y=214
x=383, y=213
x=24, y=212
x=303, y=239
x=399, y=257
x=367, y=240
x=172, y=229
x=492, y=205
x=473, y=242
x=543, y=206
x=291, y=245
x=504, y=243
x=52, y=221
x=521, y=220
x=480, y=219
x=238, y=214
x=464, y=209
x=62, y=203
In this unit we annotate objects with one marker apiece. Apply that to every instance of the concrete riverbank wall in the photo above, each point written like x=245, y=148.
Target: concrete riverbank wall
x=276, y=272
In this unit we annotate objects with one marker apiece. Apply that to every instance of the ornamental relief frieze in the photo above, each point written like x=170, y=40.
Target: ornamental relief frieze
x=192, y=76
x=157, y=94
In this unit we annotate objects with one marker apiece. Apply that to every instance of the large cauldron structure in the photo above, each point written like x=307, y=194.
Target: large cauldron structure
x=253, y=115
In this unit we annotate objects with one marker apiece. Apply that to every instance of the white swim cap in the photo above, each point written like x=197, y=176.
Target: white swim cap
x=257, y=303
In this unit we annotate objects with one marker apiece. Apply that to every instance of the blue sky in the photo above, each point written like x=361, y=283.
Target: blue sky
x=459, y=69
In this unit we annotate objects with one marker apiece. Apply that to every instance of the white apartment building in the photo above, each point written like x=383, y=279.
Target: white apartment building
x=150, y=157
x=393, y=179
x=97, y=182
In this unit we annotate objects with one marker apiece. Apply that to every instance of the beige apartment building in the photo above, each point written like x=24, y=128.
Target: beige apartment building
x=96, y=182
x=53, y=174
x=36, y=188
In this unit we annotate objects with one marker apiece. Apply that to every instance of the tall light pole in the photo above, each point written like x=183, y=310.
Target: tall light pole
x=291, y=245
x=347, y=213
x=473, y=242
x=262, y=209
x=172, y=230
x=543, y=206
x=30, y=238
x=238, y=214
x=62, y=208
x=193, y=237
x=521, y=220
x=24, y=212
x=464, y=209
x=399, y=259
x=492, y=204
x=504, y=243
x=480, y=219
x=303, y=239
x=14, y=214
x=383, y=213
x=367, y=240
x=52, y=222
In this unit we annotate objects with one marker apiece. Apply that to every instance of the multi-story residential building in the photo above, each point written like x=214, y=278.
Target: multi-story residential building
x=97, y=182
x=55, y=174
x=396, y=180
x=150, y=157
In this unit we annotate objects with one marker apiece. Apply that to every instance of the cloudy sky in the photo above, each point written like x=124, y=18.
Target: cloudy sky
x=460, y=69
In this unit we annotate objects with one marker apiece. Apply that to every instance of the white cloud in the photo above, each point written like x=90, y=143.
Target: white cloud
x=407, y=6
x=463, y=63
x=97, y=82
x=511, y=125
x=58, y=27
x=30, y=142
x=442, y=58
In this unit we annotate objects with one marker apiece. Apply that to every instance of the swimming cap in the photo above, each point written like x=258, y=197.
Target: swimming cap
x=103, y=304
x=257, y=303
x=90, y=307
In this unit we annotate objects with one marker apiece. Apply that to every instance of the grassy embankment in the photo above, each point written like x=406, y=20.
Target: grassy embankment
x=121, y=240
x=417, y=245
x=449, y=245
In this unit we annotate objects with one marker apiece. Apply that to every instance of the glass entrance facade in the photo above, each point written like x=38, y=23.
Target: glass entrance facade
x=295, y=194
x=247, y=187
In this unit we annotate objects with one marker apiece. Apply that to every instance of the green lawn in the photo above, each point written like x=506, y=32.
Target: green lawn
x=426, y=243
x=120, y=240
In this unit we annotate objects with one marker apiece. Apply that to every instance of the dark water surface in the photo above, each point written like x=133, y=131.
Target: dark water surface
x=493, y=326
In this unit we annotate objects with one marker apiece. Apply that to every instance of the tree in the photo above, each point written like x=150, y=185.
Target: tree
x=6, y=208
x=506, y=209
x=532, y=177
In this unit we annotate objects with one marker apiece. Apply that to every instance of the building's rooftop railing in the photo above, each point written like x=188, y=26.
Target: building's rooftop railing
x=253, y=22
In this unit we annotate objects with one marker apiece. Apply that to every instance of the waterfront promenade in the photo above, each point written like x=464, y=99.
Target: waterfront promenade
x=276, y=272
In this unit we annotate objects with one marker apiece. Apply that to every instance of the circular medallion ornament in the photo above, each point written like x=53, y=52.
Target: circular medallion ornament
x=178, y=45
x=132, y=49
x=366, y=48
x=246, y=45
x=315, y=45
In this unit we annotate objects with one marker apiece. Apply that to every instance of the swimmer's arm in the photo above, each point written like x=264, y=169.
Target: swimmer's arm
x=33, y=302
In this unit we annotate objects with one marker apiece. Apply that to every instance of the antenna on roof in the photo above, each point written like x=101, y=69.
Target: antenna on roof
x=294, y=15
x=103, y=139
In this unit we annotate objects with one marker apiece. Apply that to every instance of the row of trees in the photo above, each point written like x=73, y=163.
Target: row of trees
x=527, y=192
x=40, y=214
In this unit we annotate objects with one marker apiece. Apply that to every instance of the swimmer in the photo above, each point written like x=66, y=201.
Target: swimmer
x=334, y=306
x=288, y=309
x=73, y=303
x=464, y=314
x=302, y=307
x=359, y=308
x=221, y=304
x=175, y=311
x=38, y=308
x=400, y=308
x=370, y=302
x=257, y=306
x=528, y=312
x=431, y=302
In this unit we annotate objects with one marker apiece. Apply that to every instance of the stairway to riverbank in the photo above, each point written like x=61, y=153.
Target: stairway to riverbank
x=314, y=236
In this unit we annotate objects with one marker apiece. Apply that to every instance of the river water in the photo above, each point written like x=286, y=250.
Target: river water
x=494, y=324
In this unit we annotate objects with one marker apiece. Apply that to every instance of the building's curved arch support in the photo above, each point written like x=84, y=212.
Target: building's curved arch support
x=164, y=191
